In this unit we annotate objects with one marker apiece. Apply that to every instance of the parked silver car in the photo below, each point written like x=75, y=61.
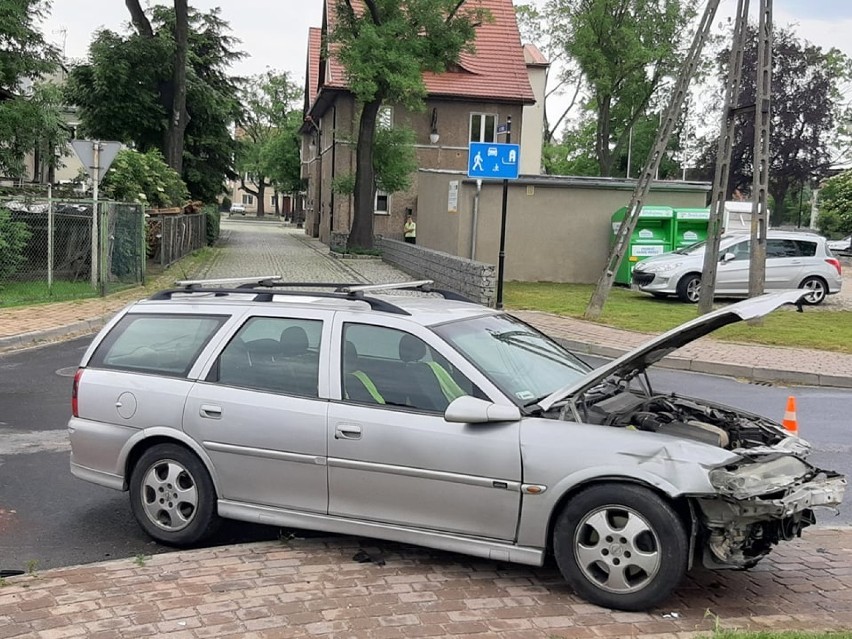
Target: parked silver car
x=434, y=421
x=793, y=260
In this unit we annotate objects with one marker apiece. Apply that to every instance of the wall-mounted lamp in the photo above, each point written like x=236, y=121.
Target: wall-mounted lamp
x=315, y=133
x=433, y=134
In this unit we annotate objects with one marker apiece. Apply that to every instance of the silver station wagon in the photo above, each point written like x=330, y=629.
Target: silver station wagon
x=431, y=420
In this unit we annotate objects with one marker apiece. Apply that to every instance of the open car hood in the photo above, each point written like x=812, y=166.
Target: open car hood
x=639, y=359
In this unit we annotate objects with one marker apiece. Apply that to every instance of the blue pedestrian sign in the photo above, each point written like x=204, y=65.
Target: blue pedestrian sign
x=493, y=161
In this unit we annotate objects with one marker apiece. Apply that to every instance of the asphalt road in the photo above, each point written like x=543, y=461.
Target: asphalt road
x=49, y=519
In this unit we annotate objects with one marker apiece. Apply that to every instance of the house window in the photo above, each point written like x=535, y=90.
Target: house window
x=248, y=199
x=385, y=118
x=382, y=203
x=483, y=127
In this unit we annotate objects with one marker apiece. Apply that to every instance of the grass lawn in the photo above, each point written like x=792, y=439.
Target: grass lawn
x=24, y=293
x=819, y=329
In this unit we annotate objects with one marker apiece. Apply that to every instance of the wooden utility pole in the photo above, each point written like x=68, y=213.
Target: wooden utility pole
x=730, y=110
x=649, y=171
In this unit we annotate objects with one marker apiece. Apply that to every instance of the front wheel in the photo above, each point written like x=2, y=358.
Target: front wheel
x=689, y=288
x=172, y=496
x=620, y=546
x=818, y=290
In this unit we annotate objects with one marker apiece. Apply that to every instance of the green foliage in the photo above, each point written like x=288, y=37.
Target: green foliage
x=30, y=122
x=214, y=218
x=24, y=53
x=14, y=236
x=145, y=178
x=123, y=92
x=226, y=204
x=624, y=50
x=807, y=107
x=394, y=159
x=835, y=205
x=268, y=151
x=343, y=184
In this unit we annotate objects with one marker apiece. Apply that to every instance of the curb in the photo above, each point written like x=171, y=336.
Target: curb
x=50, y=335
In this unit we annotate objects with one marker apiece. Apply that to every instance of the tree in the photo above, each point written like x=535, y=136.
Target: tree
x=281, y=157
x=30, y=118
x=624, y=49
x=124, y=92
x=385, y=47
x=806, y=107
x=267, y=133
x=835, y=205
x=145, y=178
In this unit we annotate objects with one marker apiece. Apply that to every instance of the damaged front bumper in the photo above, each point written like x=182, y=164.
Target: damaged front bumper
x=761, y=504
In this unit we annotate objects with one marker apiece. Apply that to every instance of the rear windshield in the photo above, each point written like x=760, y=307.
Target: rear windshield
x=161, y=344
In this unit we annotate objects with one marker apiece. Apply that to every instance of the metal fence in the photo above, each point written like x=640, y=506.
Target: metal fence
x=48, y=249
x=171, y=236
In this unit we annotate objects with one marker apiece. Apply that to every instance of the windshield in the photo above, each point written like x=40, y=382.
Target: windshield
x=693, y=249
x=523, y=363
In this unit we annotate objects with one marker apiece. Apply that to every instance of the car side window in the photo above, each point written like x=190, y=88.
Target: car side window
x=806, y=249
x=740, y=250
x=386, y=366
x=275, y=354
x=782, y=248
x=160, y=344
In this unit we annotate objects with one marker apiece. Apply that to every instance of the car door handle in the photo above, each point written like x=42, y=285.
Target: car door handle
x=797, y=261
x=210, y=411
x=347, y=431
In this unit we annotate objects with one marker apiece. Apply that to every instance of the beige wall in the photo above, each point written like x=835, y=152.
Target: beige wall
x=533, y=134
x=557, y=229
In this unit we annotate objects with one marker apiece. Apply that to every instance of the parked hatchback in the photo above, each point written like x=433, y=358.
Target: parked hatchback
x=434, y=421
x=793, y=260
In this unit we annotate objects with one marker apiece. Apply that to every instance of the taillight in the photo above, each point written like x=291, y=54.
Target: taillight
x=835, y=263
x=75, y=389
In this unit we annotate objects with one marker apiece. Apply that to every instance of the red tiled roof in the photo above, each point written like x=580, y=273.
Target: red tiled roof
x=534, y=57
x=314, y=53
x=496, y=71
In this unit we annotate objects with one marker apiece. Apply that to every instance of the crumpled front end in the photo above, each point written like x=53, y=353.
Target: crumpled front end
x=765, y=499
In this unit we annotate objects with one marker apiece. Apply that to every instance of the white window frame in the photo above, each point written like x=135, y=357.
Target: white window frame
x=248, y=199
x=376, y=209
x=480, y=135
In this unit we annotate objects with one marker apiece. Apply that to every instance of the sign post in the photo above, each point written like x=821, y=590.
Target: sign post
x=96, y=157
x=489, y=161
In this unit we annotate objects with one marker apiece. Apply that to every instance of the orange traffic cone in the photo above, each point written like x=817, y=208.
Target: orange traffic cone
x=790, y=422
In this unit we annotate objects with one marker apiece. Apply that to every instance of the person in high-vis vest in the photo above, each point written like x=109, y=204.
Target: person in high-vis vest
x=410, y=229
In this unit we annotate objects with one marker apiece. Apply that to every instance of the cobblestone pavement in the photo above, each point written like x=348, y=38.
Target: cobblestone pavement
x=263, y=248
x=313, y=587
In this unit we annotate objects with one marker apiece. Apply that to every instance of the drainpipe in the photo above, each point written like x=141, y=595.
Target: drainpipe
x=475, y=220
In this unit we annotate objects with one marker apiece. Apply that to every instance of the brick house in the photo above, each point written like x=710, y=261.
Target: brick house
x=464, y=104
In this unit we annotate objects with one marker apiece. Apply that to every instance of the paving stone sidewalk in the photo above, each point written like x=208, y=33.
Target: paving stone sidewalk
x=314, y=588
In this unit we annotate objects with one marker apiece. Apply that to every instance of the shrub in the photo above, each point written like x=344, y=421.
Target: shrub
x=226, y=204
x=213, y=219
x=14, y=236
x=835, y=205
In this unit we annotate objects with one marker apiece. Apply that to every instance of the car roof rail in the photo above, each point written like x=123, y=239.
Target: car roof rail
x=342, y=291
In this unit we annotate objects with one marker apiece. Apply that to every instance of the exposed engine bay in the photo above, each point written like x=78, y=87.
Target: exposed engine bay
x=765, y=498
x=681, y=417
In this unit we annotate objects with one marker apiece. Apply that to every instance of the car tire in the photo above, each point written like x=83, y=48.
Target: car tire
x=172, y=496
x=605, y=567
x=819, y=289
x=689, y=288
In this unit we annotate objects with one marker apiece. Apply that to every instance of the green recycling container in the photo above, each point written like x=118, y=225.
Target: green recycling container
x=653, y=235
x=690, y=226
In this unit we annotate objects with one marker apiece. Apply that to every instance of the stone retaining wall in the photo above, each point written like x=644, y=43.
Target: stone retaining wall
x=475, y=280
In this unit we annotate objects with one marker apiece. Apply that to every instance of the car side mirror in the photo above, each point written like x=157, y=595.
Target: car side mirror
x=728, y=257
x=470, y=410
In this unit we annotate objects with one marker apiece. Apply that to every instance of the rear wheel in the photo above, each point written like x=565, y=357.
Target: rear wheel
x=689, y=288
x=172, y=496
x=621, y=546
x=818, y=290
